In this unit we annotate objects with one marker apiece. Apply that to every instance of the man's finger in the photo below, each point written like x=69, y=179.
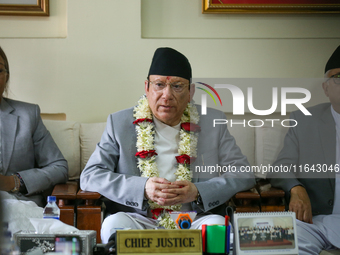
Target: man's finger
x=172, y=201
x=160, y=180
x=166, y=186
x=294, y=208
x=176, y=190
x=308, y=217
x=181, y=183
x=300, y=216
x=161, y=194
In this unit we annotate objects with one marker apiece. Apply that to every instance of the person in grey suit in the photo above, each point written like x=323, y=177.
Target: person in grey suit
x=30, y=161
x=314, y=195
x=141, y=164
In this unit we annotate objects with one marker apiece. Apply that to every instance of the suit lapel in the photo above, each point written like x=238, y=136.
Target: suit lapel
x=131, y=137
x=133, y=148
x=8, y=130
x=328, y=134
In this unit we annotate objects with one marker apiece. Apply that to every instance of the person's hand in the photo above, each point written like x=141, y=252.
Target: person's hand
x=153, y=190
x=300, y=204
x=6, y=182
x=185, y=192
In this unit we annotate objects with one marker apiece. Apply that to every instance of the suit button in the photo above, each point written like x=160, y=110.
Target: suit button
x=128, y=203
x=330, y=202
x=209, y=205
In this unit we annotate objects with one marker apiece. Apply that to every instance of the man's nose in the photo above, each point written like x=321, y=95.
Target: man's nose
x=167, y=92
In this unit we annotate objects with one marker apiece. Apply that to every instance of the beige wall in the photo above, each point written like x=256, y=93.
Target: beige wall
x=95, y=58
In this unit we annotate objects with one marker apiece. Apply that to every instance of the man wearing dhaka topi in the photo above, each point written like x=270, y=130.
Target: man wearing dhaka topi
x=144, y=162
x=314, y=195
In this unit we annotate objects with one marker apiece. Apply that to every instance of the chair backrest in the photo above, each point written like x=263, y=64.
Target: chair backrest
x=53, y=116
x=90, y=134
x=66, y=136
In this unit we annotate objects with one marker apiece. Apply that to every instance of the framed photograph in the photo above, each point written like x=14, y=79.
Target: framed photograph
x=265, y=233
x=25, y=7
x=270, y=6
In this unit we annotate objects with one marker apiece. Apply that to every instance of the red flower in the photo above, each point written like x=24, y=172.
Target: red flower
x=185, y=159
x=157, y=212
x=146, y=154
x=141, y=120
x=187, y=126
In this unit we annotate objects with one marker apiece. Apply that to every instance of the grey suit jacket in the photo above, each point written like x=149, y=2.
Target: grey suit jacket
x=311, y=142
x=112, y=170
x=28, y=148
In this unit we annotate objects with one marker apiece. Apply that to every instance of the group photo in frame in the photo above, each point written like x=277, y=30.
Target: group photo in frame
x=270, y=6
x=265, y=233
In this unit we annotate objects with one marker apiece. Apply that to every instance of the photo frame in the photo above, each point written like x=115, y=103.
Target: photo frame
x=269, y=233
x=270, y=6
x=25, y=7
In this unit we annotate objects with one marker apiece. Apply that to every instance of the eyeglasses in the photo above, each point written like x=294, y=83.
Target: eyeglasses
x=177, y=87
x=335, y=78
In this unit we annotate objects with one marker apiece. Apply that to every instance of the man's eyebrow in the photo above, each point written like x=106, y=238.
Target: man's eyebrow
x=335, y=74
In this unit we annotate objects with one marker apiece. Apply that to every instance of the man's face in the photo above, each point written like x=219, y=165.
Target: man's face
x=168, y=103
x=332, y=89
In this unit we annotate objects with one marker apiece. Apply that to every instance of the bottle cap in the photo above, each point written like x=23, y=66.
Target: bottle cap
x=51, y=199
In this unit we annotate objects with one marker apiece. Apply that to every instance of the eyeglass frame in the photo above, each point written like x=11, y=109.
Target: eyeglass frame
x=336, y=80
x=171, y=85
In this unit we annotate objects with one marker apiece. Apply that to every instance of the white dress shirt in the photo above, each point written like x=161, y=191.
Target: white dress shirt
x=166, y=145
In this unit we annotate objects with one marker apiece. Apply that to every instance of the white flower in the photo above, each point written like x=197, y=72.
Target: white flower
x=183, y=173
x=166, y=221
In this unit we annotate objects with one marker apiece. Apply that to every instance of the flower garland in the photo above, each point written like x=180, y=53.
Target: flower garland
x=146, y=153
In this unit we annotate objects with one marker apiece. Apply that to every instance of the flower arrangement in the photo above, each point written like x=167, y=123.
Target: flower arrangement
x=146, y=154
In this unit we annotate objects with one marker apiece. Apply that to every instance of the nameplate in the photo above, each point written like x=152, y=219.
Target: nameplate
x=159, y=241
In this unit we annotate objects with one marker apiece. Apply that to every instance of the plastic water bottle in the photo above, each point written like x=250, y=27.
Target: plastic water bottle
x=51, y=210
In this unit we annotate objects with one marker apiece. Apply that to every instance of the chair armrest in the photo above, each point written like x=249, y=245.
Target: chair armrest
x=273, y=193
x=272, y=199
x=251, y=195
x=67, y=191
x=90, y=215
x=247, y=201
x=89, y=196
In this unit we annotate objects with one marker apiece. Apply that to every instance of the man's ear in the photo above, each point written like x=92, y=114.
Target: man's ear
x=146, y=86
x=192, y=91
x=325, y=88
